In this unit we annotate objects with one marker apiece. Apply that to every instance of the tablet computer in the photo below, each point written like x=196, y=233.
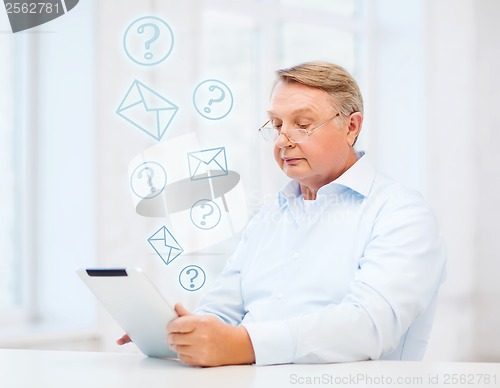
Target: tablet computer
x=135, y=304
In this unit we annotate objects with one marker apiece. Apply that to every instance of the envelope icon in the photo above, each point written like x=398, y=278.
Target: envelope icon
x=147, y=110
x=165, y=245
x=209, y=163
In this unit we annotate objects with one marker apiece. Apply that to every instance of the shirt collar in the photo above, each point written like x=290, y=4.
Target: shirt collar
x=359, y=177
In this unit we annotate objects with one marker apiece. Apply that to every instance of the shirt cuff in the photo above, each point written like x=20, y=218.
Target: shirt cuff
x=272, y=342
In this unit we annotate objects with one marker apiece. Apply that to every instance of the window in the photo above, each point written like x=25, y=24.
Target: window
x=13, y=283
x=47, y=208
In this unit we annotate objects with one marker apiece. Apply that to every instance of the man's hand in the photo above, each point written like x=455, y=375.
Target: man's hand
x=204, y=340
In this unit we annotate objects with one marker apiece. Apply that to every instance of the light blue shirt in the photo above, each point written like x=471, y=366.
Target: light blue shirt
x=352, y=275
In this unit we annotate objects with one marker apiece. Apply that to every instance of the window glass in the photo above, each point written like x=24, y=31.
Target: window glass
x=228, y=54
x=340, y=7
x=10, y=177
x=305, y=42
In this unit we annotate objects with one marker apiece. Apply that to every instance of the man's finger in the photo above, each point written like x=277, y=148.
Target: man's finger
x=179, y=339
x=182, y=325
x=125, y=339
x=181, y=310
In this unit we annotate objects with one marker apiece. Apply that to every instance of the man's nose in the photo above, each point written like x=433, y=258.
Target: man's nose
x=283, y=141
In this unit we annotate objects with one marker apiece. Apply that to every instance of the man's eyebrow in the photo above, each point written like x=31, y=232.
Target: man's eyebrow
x=295, y=112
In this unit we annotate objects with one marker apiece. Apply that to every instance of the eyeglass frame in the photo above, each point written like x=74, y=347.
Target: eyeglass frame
x=306, y=131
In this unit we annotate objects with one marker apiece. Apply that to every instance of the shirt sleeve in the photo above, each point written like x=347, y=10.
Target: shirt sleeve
x=397, y=278
x=225, y=299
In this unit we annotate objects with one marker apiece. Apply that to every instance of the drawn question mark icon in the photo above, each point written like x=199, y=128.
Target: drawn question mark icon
x=212, y=100
x=190, y=273
x=205, y=214
x=203, y=205
x=150, y=174
x=150, y=41
x=141, y=180
x=191, y=280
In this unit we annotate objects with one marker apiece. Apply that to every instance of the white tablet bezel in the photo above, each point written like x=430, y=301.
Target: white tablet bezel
x=135, y=304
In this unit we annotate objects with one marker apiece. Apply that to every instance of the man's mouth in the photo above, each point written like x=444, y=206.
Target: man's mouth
x=290, y=161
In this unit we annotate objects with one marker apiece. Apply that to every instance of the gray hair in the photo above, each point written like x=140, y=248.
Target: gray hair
x=331, y=78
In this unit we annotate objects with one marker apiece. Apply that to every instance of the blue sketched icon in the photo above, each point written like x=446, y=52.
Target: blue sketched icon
x=192, y=278
x=147, y=110
x=148, y=180
x=165, y=245
x=209, y=163
x=213, y=99
x=148, y=40
x=205, y=214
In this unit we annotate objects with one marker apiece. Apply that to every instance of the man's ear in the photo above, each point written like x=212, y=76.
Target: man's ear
x=354, y=127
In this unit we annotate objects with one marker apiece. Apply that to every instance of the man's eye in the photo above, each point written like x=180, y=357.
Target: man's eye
x=277, y=126
x=302, y=126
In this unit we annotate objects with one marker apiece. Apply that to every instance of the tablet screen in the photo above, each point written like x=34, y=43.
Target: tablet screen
x=135, y=304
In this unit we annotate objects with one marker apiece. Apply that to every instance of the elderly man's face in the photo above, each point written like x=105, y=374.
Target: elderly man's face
x=328, y=153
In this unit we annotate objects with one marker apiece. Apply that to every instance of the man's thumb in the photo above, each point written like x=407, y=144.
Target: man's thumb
x=181, y=310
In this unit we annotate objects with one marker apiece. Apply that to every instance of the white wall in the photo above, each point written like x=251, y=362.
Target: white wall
x=450, y=41
x=486, y=134
x=462, y=57
x=431, y=123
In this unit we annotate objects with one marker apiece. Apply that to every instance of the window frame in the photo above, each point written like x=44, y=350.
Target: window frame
x=24, y=248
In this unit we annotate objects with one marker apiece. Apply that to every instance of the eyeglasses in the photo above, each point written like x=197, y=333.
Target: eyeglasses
x=294, y=135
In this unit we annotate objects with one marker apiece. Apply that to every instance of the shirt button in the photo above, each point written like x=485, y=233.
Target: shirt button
x=295, y=256
x=279, y=295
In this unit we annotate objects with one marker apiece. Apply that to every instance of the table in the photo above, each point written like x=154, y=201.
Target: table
x=62, y=369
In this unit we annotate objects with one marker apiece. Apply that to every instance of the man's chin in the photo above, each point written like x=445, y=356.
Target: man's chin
x=293, y=172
